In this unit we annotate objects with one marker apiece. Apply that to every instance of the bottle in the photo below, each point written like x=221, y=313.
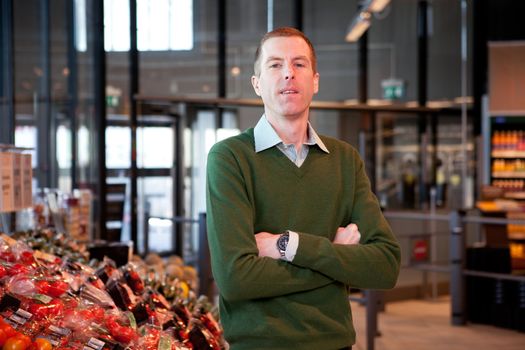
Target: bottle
x=408, y=183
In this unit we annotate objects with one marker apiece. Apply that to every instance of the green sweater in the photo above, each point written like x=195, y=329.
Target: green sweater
x=273, y=304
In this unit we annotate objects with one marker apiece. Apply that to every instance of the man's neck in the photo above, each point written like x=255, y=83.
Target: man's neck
x=291, y=130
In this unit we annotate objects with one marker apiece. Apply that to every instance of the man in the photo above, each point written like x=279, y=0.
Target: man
x=284, y=207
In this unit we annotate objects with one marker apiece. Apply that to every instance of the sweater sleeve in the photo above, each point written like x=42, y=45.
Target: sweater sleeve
x=238, y=270
x=372, y=264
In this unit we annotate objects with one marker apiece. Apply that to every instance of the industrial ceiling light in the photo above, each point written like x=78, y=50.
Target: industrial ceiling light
x=375, y=5
x=358, y=26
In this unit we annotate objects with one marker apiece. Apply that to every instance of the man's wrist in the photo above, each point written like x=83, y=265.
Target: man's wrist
x=292, y=243
x=282, y=244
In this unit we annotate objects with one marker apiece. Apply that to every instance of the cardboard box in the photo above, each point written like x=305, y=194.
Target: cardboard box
x=6, y=182
x=17, y=181
x=27, y=181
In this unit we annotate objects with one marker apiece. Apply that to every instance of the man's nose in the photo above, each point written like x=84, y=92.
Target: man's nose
x=289, y=72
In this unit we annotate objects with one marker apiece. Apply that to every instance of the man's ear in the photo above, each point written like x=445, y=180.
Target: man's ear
x=255, y=84
x=316, y=83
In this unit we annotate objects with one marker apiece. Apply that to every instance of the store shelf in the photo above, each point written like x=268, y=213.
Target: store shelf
x=416, y=148
x=508, y=154
x=514, y=195
x=508, y=175
x=518, y=236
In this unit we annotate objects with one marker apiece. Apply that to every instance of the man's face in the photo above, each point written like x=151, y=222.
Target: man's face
x=287, y=81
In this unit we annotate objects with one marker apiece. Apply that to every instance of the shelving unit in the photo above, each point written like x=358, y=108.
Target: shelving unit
x=507, y=156
x=507, y=161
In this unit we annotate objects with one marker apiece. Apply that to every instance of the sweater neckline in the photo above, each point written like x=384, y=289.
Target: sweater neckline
x=289, y=165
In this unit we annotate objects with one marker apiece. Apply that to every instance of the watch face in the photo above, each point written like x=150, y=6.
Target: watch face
x=282, y=242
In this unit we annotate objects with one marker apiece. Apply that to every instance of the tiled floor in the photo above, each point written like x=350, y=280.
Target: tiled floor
x=425, y=325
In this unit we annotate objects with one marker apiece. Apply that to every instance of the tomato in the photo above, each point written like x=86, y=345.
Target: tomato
x=98, y=313
x=38, y=310
x=3, y=323
x=26, y=339
x=18, y=269
x=42, y=344
x=8, y=330
x=123, y=334
x=27, y=257
x=57, y=288
x=42, y=287
x=3, y=337
x=7, y=256
x=56, y=307
x=3, y=271
x=14, y=343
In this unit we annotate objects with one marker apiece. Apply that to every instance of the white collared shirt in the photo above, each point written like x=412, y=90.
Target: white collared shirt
x=266, y=137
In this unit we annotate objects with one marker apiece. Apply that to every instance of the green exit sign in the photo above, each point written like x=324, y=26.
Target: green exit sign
x=393, y=89
x=112, y=101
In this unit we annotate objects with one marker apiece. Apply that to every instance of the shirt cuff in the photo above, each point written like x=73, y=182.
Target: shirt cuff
x=291, y=248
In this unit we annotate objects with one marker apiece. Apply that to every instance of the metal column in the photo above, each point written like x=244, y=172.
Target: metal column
x=422, y=79
x=178, y=177
x=221, y=48
x=457, y=264
x=206, y=286
x=7, y=95
x=133, y=90
x=72, y=88
x=372, y=297
x=99, y=93
x=46, y=150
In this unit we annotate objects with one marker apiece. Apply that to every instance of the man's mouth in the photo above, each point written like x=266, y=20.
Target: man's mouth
x=289, y=92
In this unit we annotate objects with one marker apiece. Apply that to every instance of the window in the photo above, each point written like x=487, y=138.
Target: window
x=162, y=25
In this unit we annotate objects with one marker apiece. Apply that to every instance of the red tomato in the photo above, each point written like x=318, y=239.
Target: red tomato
x=27, y=257
x=26, y=339
x=2, y=322
x=56, y=307
x=7, y=256
x=3, y=271
x=42, y=287
x=14, y=343
x=3, y=337
x=9, y=330
x=57, y=288
x=38, y=310
x=98, y=313
x=18, y=269
x=123, y=334
x=42, y=344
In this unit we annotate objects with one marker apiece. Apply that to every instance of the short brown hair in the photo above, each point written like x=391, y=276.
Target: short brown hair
x=283, y=32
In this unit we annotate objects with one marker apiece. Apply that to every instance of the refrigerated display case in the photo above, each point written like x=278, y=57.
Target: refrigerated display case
x=507, y=173
x=508, y=155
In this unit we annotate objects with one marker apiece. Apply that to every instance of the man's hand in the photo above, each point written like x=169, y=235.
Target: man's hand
x=347, y=235
x=267, y=245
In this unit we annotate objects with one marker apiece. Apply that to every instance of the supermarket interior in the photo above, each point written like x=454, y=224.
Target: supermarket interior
x=109, y=110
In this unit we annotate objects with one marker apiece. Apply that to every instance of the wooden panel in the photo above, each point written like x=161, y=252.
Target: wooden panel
x=507, y=78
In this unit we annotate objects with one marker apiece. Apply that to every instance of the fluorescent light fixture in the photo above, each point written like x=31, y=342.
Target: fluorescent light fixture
x=358, y=26
x=375, y=5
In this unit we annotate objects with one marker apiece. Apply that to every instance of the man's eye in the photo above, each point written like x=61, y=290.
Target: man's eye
x=275, y=65
x=300, y=65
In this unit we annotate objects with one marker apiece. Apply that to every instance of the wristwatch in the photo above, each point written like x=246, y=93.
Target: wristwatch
x=282, y=243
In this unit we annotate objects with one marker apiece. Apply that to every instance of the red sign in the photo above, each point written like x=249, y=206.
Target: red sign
x=420, y=250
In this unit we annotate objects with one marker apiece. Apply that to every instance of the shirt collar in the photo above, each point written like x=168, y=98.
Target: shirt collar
x=266, y=137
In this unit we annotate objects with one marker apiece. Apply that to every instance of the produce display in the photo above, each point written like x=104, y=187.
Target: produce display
x=53, y=297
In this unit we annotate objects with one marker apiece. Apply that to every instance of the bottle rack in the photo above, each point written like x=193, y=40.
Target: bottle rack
x=508, y=161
